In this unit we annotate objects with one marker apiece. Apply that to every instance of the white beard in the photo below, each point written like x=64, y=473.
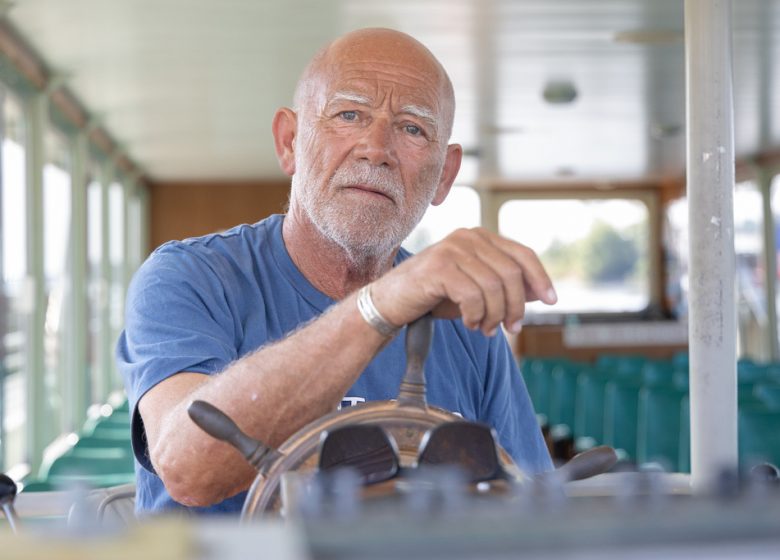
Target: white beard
x=365, y=231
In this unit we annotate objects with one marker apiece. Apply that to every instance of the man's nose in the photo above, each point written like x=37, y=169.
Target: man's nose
x=377, y=145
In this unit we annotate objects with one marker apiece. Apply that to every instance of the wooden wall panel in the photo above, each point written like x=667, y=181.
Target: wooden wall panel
x=546, y=341
x=181, y=210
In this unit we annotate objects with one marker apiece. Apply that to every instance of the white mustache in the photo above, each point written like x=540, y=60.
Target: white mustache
x=379, y=178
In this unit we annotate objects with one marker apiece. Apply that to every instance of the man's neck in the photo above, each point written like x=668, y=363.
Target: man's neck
x=324, y=263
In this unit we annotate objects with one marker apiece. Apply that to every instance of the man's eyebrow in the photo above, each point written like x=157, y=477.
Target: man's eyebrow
x=420, y=112
x=350, y=96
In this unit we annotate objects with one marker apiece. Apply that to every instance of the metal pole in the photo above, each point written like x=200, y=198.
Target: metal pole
x=710, y=168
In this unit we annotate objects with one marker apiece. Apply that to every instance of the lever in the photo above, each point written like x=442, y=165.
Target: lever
x=218, y=425
x=7, y=495
x=588, y=463
x=419, y=335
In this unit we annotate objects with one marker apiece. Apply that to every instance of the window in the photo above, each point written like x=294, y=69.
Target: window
x=56, y=255
x=460, y=209
x=775, y=201
x=13, y=269
x=97, y=291
x=676, y=255
x=595, y=250
x=116, y=254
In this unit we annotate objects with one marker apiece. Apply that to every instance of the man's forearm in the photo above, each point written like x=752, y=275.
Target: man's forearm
x=270, y=393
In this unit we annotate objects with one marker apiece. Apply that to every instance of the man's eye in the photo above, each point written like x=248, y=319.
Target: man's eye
x=413, y=129
x=348, y=115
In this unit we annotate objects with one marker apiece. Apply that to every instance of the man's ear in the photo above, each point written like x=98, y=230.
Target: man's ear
x=448, y=173
x=284, y=126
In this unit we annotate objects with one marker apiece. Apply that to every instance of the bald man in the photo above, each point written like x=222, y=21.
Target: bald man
x=279, y=322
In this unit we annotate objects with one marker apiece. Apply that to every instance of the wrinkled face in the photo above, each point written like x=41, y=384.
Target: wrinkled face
x=369, y=152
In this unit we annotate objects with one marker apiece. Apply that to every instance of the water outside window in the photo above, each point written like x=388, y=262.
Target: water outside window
x=595, y=250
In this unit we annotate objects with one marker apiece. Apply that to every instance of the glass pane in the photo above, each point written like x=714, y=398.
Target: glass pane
x=594, y=250
x=13, y=243
x=749, y=249
x=676, y=255
x=56, y=255
x=461, y=209
x=116, y=253
x=775, y=199
x=96, y=289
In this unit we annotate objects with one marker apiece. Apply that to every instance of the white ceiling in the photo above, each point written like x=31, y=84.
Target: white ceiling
x=189, y=87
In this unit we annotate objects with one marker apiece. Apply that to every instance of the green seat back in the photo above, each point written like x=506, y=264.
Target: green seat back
x=589, y=404
x=759, y=435
x=621, y=399
x=658, y=425
x=563, y=391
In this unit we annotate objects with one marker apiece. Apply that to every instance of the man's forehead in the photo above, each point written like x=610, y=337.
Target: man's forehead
x=377, y=65
x=372, y=88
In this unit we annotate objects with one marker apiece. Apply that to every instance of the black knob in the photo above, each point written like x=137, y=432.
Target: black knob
x=219, y=425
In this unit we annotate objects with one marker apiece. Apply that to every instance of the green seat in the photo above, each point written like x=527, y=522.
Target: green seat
x=621, y=399
x=116, y=421
x=539, y=378
x=529, y=377
x=88, y=463
x=758, y=429
x=658, y=373
x=563, y=391
x=749, y=372
x=759, y=434
x=38, y=486
x=101, y=442
x=621, y=366
x=768, y=393
x=684, y=460
x=681, y=379
x=100, y=453
x=589, y=404
x=110, y=432
x=659, y=425
x=681, y=361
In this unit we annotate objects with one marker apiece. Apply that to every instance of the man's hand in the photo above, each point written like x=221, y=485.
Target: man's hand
x=474, y=274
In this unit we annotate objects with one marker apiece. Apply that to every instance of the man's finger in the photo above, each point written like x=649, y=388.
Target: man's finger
x=534, y=274
x=512, y=281
x=491, y=286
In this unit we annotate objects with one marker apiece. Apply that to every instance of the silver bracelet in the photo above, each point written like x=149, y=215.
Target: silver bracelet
x=371, y=314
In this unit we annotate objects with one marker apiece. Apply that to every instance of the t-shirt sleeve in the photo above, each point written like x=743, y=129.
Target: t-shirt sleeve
x=508, y=408
x=176, y=319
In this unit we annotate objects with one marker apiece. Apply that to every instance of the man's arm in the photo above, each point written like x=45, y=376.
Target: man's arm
x=278, y=389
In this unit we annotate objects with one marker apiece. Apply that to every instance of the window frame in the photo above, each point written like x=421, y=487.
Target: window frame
x=648, y=196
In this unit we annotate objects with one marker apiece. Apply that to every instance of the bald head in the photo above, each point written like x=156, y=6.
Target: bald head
x=393, y=50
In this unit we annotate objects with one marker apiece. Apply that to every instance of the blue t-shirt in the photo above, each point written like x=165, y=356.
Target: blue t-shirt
x=200, y=304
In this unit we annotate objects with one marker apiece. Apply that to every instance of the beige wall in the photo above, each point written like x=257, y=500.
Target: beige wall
x=181, y=210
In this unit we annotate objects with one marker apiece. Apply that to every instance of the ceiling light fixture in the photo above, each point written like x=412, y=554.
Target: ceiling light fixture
x=559, y=92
